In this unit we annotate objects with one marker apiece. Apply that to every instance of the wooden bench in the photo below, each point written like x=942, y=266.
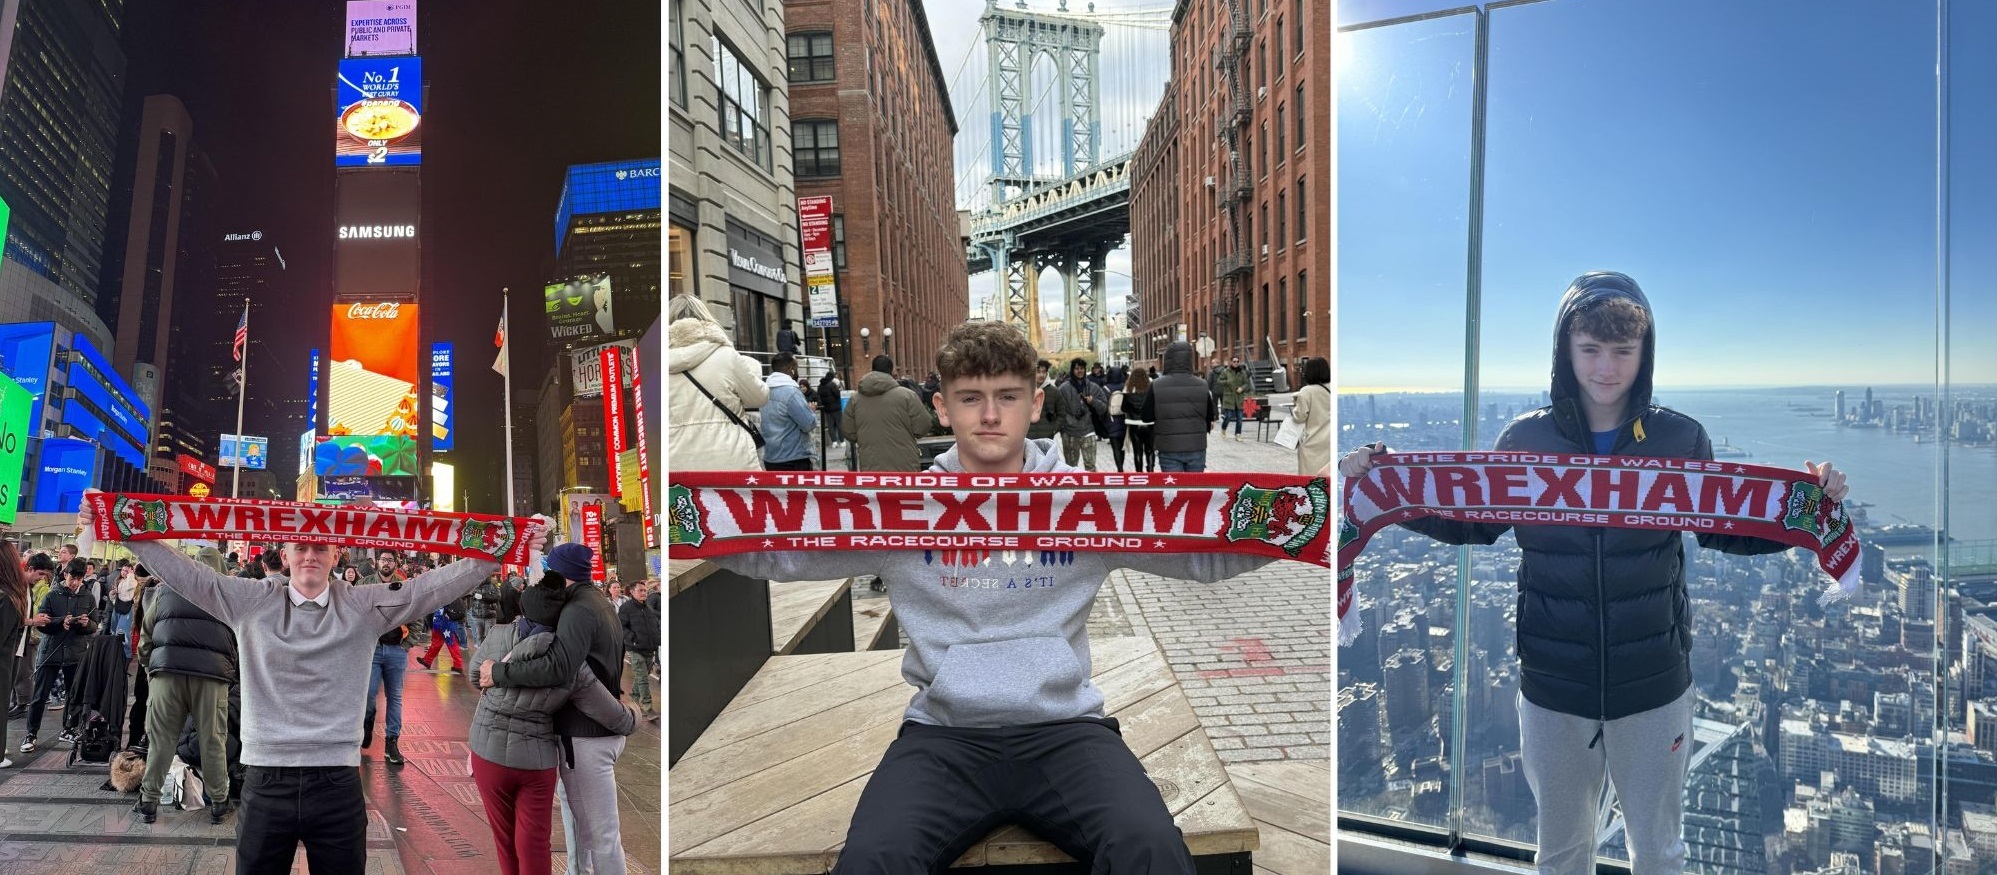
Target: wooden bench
x=720, y=638
x=874, y=625
x=771, y=786
x=811, y=616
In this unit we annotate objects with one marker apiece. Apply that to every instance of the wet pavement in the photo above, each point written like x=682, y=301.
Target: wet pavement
x=424, y=817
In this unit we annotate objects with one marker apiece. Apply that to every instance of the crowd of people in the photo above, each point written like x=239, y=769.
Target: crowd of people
x=183, y=660
x=728, y=415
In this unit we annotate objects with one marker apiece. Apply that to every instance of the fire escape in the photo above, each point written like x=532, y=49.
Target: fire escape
x=1237, y=185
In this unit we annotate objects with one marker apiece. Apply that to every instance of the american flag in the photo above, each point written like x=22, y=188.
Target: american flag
x=242, y=334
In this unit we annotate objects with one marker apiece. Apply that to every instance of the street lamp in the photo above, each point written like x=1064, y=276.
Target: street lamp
x=887, y=341
x=866, y=342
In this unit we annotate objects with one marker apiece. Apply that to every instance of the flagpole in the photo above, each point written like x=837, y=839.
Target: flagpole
x=507, y=376
x=242, y=391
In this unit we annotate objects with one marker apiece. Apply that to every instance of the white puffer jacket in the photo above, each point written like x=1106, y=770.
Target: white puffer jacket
x=699, y=437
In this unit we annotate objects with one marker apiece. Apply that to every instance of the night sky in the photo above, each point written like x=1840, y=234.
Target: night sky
x=516, y=93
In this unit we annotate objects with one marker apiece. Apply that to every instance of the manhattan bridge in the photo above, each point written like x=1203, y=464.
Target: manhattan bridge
x=1047, y=180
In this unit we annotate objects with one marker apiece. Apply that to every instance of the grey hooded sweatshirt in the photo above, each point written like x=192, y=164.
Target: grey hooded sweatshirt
x=515, y=726
x=1003, y=641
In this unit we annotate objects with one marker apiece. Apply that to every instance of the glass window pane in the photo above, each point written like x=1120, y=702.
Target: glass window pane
x=1403, y=159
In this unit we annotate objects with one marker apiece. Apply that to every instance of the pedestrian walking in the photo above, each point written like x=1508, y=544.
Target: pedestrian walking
x=189, y=660
x=387, y=670
x=1086, y=402
x=515, y=743
x=446, y=630
x=709, y=386
x=587, y=634
x=484, y=604
x=829, y=405
x=1136, y=429
x=1232, y=386
x=883, y=420
x=787, y=419
x=1312, y=409
x=1052, y=414
x=39, y=574
x=1181, y=411
x=304, y=642
x=640, y=618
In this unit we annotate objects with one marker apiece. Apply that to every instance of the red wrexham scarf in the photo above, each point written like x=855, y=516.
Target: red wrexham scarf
x=123, y=516
x=1630, y=492
x=717, y=513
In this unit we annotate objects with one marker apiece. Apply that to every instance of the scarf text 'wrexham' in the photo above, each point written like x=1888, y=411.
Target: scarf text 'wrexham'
x=123, y=516
x=1630, y=492
x=717, y=513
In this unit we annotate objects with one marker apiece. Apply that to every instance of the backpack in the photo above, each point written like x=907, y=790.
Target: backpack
x=1092, y=399
x=95, y=744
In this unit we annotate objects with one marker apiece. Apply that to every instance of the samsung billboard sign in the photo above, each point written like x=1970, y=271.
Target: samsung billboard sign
x=376, y=232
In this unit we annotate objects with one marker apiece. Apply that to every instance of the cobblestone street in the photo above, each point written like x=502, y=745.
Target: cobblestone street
x=1253, y=653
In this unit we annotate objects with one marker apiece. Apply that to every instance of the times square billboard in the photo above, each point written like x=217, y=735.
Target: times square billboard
x=378, y=112
x=378, y=251
x=371, y=370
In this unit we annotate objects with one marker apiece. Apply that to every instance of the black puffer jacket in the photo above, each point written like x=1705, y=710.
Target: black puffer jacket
x=179, y=638
x=1179, y=407
x=1604, y=624
x=641, y=624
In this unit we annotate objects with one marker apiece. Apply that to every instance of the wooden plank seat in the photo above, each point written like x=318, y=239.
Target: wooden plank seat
x=811, y=616
x=770, y=787
x=874, y=625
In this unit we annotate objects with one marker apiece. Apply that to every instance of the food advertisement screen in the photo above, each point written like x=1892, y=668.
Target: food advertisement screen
x=375, y=27
x=378, y=112
x=579, y=309
x=371, y=375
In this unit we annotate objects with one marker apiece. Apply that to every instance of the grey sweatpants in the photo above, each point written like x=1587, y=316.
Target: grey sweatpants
x=588, y=797
x=1645, y=756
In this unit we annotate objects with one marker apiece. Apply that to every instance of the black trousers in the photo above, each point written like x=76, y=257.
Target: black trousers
x=321, y=806
x=1074, y=783
x=45, y=675
x=1143, y=457
x=803, y=464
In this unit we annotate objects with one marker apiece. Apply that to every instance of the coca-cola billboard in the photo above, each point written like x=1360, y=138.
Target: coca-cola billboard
x=371, y=374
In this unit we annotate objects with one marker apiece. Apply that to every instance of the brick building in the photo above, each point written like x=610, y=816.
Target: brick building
x=1242, y=144
x=872, y=127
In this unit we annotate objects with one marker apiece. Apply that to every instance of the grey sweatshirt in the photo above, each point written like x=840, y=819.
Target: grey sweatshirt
x=1003, y=642
x=304, y=668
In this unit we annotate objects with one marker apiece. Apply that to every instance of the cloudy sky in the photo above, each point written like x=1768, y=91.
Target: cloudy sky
x=1135, y=64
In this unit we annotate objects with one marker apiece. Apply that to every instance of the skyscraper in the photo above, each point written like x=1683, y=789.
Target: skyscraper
x=59, y=115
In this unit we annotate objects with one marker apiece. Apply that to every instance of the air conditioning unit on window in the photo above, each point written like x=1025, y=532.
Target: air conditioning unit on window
x=1209, y=182
x=1265, y=250
x=1262, y=93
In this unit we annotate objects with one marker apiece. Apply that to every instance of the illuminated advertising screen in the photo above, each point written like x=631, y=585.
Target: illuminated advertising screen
x=255, y=451
x=610, y=187
x=579, y=309
x=311, y=399
x=4, y=214
x=441, y=440
x=26, y=349
x=67, y=468
x=380, y=28
x=379, y=455
x=376, y=233
x=14, y=403
x=104, y=407
x=371, y=372
x=443, y=487
x=592, y=537
x=640, y=438
x=586, y=369
x=613, y=414
x=196, y=477
x=306, y=442
x=378, y=112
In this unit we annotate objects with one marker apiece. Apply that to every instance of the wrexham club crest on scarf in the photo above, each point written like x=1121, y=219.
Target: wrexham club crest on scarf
x=1631, y=492
x=144, y=517
x=714, y=513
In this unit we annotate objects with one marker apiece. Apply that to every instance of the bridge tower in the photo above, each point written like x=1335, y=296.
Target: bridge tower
x=1016, y=37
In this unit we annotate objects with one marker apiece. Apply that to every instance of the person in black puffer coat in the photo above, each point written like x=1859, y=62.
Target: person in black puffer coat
x=1604, y=624
x=639, y=616
x=190, y=663
x=1181, y=411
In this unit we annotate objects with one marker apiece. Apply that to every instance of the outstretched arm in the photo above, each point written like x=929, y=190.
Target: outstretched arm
x=1202, y=567
x=433, y=589
x=227, y=598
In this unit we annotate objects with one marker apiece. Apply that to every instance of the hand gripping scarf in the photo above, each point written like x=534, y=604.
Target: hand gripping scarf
x=122, y=516
x=1628, y=492
x=718, y=513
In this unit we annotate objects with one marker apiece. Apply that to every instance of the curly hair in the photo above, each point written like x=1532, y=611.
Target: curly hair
x=986, y=349
x=1611, y=320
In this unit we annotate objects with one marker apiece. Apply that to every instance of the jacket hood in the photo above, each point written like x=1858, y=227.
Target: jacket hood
x=876, y=383
x=779, y=379
x=690, y=341
x=1041, y=458
x=1178, y=358
x=1586, y=289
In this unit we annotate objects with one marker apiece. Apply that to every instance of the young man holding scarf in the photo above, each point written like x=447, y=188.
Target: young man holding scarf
x=1604, y=625
x=1005, y=725
x=306, y=643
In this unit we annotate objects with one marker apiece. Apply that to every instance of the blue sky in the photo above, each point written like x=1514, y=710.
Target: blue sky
x=1765, y=170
